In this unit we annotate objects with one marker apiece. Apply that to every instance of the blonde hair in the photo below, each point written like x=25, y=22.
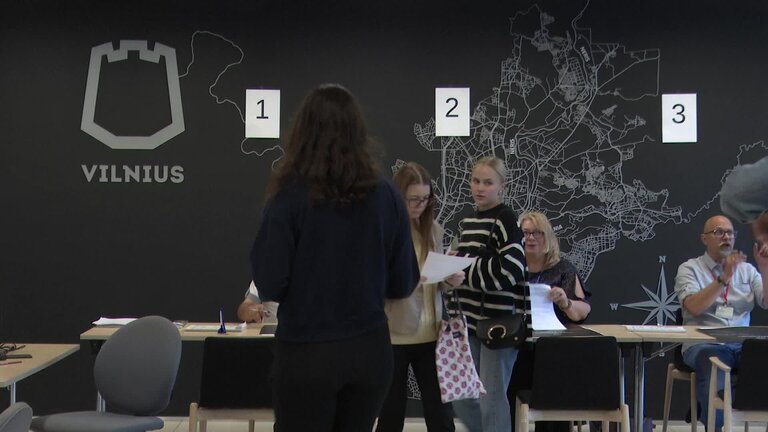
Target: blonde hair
x=551, y=244
x=495, y=164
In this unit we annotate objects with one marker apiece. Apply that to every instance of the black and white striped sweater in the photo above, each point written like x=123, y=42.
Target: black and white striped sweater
x=499, y=271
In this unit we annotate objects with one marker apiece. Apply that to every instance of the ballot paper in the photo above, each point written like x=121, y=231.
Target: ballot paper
x=542, y=310
x=215, y=327
x=113, y=321
x=438, y=266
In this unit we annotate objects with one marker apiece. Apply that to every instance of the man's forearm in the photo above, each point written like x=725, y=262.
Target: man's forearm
x=702, y=300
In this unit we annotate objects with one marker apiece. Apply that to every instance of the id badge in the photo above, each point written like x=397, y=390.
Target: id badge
x=724, y=311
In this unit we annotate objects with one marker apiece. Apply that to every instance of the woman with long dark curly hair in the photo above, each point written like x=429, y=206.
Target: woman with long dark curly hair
x=333, y=243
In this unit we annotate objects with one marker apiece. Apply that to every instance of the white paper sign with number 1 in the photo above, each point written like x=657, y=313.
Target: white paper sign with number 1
x=262, y=113
x=452, y=111
x=678, y=118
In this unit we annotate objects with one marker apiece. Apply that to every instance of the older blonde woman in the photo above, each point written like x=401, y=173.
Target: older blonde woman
x=542, y=253
x=569, y=297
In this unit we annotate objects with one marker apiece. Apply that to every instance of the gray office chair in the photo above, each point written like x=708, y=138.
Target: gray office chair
x=134, y=372
x=16, y=418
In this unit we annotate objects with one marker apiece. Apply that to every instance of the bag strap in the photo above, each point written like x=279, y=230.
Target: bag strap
x=487, y=246
x=526, y=289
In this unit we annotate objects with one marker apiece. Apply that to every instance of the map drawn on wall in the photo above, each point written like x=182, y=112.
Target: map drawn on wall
x=247, y=146
x=565, y=119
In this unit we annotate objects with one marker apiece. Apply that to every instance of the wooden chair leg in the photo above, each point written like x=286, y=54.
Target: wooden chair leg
x=251, y=425
x=694, y=404
x=667, y=397
x=522, y=417
x=193, y=417
x=625, y=418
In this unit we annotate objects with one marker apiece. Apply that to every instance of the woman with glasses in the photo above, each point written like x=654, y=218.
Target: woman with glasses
x=495, y=286
x=414, y=322
x=333, y=243
x=542, y=253
x=569, y=298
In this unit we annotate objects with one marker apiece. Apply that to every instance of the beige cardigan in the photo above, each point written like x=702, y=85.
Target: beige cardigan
x=405, y=314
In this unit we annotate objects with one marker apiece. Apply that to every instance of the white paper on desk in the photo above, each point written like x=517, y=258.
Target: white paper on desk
x=438, y=267
x=215, y=327
x=113, y=321
x=542, y=310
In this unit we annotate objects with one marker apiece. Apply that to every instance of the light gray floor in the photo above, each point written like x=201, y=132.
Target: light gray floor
x=180, y=424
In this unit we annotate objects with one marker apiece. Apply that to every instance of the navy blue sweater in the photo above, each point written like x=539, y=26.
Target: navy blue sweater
x=331, y=265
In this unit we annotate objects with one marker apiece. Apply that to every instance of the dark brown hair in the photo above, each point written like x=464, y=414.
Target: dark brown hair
x=415, y=174
x=328, y=148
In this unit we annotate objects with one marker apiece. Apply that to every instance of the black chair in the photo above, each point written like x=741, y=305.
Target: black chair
x=16, y=418
x=747, y=401
x=574, y=379
x=135, y=372
x=678, y=370
x=235, y=383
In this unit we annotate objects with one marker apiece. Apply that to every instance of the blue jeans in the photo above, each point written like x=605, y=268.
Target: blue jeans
x=490, y=413
x=697, y=357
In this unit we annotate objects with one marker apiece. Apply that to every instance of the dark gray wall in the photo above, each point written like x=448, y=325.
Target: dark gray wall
x=72, y=250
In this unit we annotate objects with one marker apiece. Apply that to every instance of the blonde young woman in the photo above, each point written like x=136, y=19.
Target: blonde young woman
x=495, y=285
x=414, y=321
x=569, y=297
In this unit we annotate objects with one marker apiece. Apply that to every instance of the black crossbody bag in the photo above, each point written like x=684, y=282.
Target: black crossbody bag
x=502, y=332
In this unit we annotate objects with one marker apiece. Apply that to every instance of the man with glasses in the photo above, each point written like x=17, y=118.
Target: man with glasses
x=719, y=288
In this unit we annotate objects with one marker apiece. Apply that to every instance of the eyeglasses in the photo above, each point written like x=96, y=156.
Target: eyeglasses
x=8, y=347
x=538, y=235
x=719, y=232
x=416, y=202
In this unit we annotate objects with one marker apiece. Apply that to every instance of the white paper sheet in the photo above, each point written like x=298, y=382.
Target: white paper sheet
x=215, y=327
x=542, y=310
x=655, y=329
x=113, y=321
x=438, y=266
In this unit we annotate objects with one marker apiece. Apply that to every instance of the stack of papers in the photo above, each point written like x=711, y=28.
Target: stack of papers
x=655, y=329
x=215, y=327
x=112, y=321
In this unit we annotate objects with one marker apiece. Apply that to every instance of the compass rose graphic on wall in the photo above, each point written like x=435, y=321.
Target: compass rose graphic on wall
x=662, y=304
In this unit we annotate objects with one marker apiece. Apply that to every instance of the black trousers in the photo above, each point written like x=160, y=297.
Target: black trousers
x=331, y=386
x=437, y=416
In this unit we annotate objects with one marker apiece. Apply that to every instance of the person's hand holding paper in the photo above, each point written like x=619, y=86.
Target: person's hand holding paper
x=438, y=267
x=542, y=313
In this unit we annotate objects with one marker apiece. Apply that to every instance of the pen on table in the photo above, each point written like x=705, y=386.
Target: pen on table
x=10, y=363
x=222, y=328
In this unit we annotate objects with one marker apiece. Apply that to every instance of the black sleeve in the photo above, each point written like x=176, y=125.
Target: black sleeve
x=403, y=267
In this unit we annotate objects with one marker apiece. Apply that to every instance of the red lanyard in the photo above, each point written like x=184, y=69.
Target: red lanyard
x=727, y=287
